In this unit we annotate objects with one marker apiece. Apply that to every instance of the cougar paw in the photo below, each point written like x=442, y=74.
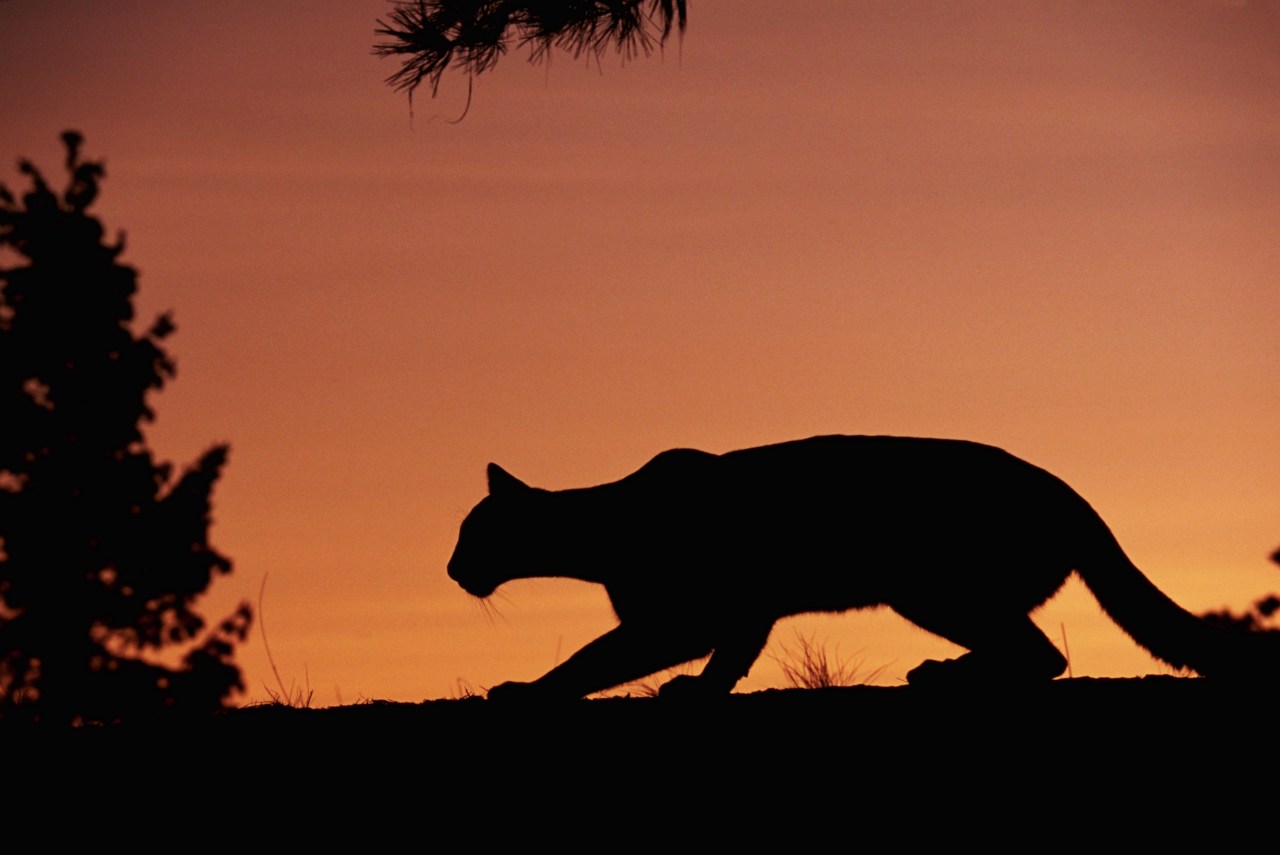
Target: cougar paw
x=968, y=671
x=934, y=672
x=514, y=692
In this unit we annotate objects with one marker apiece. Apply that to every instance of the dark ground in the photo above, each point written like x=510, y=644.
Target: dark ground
x=1075, y=757
x=1088, y=716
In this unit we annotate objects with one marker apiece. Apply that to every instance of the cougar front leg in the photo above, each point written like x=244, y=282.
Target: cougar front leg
x=735, y=652
x=625, y=653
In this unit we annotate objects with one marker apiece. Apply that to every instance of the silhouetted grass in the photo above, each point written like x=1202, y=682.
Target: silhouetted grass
x=808, y=665
x=294, y=695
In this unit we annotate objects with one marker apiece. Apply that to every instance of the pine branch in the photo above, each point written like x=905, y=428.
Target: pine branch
x=432, y=36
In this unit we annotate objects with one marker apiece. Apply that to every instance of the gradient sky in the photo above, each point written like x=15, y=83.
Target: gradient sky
x=1047, y=226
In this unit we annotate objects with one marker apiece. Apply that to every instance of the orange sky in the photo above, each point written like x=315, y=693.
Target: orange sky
x=1051, y=227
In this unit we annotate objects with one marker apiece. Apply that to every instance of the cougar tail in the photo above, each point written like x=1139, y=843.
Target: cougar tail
x=1169, y=632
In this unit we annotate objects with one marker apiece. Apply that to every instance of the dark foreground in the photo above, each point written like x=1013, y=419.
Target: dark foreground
x=1150, y=715
x=1075, y=752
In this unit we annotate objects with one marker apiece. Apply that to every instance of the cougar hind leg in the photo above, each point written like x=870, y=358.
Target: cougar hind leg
x=1003, y=650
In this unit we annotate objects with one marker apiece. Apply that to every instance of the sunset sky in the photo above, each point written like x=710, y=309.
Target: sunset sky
x=1052, y=227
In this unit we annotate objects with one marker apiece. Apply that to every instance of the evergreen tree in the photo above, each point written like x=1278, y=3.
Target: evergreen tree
x=102, y=551
x=1261, y=617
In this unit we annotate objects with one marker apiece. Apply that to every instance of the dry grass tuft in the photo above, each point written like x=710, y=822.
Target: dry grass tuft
x=807, y=665
x=294, y=696
x=463, y=690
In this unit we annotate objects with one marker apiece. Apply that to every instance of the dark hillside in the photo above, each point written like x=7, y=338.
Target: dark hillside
x=1067, y=723
x=1074, y=757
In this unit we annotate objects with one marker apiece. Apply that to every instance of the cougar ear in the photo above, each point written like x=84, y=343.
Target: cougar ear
x=502, y=481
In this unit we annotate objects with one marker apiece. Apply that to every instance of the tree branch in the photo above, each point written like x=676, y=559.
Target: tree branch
x=431, y=36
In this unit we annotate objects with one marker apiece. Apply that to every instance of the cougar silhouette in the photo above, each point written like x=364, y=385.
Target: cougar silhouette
x=702, y=553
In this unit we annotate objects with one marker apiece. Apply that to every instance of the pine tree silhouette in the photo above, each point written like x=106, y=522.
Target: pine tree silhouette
x=1261, y=617
x=102, y=551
